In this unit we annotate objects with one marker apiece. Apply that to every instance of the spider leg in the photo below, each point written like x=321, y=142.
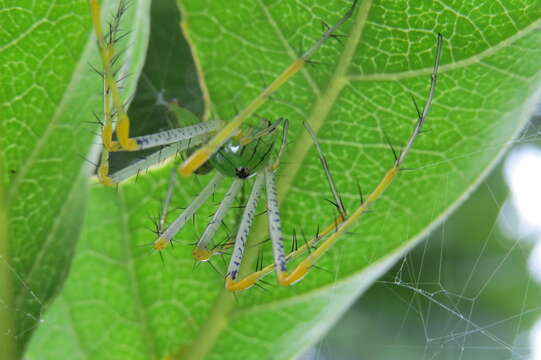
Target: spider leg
x=250, y=280
x=180, y=138
x=174, y=135
x=142, y=164
x=275, y=227
x=201, y=252
x=325, y=165
x=275, y=230
x=107, y=52
x=266, y=131
x=283, y=146
x=166, y=237
x=167, y=200
x=242, y=235
x=204, y=153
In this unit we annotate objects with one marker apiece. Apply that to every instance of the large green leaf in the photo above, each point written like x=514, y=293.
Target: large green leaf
x=48, y=94
x=120, y=302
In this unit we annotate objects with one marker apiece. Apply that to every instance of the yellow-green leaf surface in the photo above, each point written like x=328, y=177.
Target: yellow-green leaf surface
x=48, y=93
x=122, y=302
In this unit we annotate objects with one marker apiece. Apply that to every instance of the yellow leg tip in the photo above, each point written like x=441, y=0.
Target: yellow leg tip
x=160, y=244
x=297, y=275
x=106, y=136
x=112, y=146
x=128, y=144
x=115, y=146
x=95, y=14
x=195, y=161
x=94, y=7
x=103, y=176
x=240, y=285
x=201, y=254
x=283, y=279
x=106, y=181
x=123, y=134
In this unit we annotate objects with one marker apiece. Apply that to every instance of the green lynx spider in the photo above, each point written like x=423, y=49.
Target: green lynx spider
x=226, y=152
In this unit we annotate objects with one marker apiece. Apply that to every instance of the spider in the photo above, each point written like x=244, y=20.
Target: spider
x=237, y=153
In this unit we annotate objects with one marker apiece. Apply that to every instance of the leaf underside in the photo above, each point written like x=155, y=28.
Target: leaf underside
x=49, y=93
x=122, y=302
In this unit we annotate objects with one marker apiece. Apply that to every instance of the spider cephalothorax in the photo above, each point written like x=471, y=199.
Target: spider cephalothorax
x=243, y=156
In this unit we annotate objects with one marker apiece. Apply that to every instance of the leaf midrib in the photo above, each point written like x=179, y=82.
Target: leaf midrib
x=225, y=303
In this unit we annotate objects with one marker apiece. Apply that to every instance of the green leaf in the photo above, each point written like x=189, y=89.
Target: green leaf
x=121, y=302
x=48, y=95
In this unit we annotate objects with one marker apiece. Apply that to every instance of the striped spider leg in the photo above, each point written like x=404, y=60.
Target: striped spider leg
x=339, y=226
x=170, y=141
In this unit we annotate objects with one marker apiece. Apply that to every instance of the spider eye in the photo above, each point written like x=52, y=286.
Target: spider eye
x=242, y=172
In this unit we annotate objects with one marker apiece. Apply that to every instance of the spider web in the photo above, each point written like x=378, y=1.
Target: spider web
x=467, y=292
